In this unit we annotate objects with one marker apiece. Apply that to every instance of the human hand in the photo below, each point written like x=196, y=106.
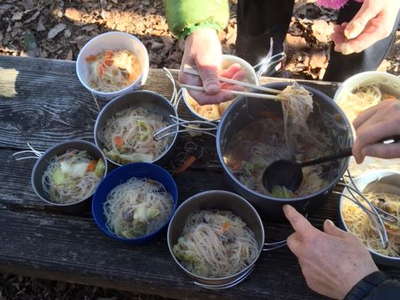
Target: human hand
x=332, y=261
x=375, y=124
x=373, y=22
x=203, y=53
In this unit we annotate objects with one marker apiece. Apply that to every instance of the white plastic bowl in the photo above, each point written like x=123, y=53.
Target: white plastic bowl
x=375, y=181
x=227, y=60
x=389, y=81
x=391, y=84
x=113, y=41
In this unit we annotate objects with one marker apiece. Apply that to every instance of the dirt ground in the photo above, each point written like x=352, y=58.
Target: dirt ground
x=59, y=28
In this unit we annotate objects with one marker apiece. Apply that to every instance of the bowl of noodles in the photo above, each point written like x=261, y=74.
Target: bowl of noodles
x=125, y=127
x=67, y=174
x=359, y=93
x=214, y=112
x=382, y=188
x=112, y=63
x=215, y=237
x=305, y=124
x=135, y=202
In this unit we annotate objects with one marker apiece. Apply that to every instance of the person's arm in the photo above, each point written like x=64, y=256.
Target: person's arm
x=375, y=286
x=198, y=22
x=186, y=16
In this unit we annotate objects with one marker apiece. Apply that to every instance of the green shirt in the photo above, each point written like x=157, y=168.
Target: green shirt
x=185, y=16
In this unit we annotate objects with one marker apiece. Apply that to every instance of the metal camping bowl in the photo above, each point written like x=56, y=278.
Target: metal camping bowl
x=246, y=110
x=147, y=99
x=221, y=200
x=43, y=162
x=374, y=181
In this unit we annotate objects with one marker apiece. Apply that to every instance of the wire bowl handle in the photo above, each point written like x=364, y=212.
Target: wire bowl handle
x=377, y=215
x=180, y=125
x=32, y=153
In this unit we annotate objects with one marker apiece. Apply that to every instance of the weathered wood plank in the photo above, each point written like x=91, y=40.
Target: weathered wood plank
x=51, y=105
x=73, y=249
x=17, y=190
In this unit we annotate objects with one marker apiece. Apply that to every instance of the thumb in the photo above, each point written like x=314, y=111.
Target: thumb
x=369, y=10
x=330, y=228
x=208, y=66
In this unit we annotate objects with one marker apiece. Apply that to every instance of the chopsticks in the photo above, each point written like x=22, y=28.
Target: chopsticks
x=236, y=82
x=240, y=93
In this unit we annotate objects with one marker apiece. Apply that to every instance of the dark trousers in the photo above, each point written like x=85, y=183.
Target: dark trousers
x=259, y=20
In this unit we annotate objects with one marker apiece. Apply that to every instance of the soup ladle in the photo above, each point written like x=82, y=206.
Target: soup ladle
x=289, y=173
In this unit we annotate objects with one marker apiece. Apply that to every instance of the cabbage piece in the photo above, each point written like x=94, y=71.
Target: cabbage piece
x=58, y=177
x=144, y=214
x=74, y=170
x=100, y=168
x=281, y=192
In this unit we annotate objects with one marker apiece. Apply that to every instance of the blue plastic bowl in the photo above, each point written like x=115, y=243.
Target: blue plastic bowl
x=121, y=175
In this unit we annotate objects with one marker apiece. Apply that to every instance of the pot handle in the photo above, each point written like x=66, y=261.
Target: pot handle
x=187, y=126
x=283, y=243
x=228, y=285
x=32, y=153
x=267, y=65
x=176, y=95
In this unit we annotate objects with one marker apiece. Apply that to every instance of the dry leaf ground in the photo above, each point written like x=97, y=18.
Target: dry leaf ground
x=59, y=28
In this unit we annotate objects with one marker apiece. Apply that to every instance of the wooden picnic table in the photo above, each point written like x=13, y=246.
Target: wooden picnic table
x=43, y=103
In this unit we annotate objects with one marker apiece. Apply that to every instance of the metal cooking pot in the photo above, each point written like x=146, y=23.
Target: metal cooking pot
x=221, y=200
x=246, y=110
x=43, y=162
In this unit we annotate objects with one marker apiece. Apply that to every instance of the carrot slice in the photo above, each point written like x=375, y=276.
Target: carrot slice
x=91, y=58
x=226, y=226
x=186, y=164
x=91, y=166
x=118, y=141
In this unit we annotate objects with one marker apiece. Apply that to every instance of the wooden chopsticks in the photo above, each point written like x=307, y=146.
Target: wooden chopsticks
x=274, y=92
x=240, y=93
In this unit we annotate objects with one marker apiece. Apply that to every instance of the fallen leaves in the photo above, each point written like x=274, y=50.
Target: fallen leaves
x=17, y=16
x=56, y=30
x=60, y=28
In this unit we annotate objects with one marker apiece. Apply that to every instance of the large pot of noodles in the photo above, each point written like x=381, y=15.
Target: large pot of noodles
x=305, y=124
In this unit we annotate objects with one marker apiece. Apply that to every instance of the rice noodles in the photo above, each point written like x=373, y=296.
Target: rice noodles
x=359, y=223
x=216, y=243
x=128, y=136
x=297, y=105
x=360, y=99
x=72, y=176
x=137, y=207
